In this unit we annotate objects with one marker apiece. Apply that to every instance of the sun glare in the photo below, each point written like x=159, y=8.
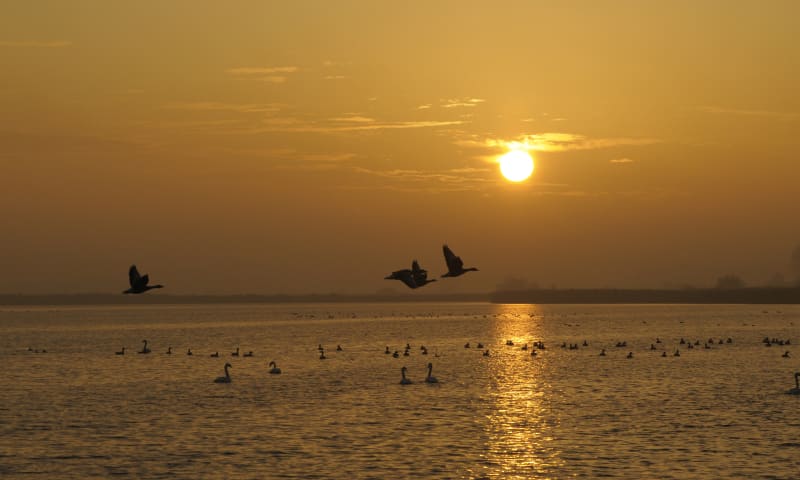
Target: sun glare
x=516, y=165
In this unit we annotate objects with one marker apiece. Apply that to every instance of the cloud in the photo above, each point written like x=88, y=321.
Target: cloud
x=749, y=113
x=460, y=102
x=226, y=107
x=245, y=71
x=621, y=161
x=354, y=118
x=334, y=77
x=424, y=107
x=264, y=74
x=556, y=142
x=430, y=181
x=297, y=126
x=34, y=44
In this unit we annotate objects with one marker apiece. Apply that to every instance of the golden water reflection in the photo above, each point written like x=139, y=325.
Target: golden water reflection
x=519, y=420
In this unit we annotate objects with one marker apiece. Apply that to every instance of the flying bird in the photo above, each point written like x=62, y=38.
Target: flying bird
x=455, y=266
x=414, y=278
x=139, y=282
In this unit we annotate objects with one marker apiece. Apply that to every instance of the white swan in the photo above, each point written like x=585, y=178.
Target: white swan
x=429, y=378
x=404, y=380
x=275, y=369
x=144, y=348
x=226, y=378
x=796, y=389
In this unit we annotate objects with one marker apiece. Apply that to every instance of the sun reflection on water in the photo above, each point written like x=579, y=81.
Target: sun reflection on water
x=520, y=421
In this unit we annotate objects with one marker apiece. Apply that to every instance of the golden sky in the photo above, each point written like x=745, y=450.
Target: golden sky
x=316, y=146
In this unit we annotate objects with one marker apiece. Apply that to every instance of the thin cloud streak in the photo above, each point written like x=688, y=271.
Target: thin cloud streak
x=34, y=44
x=226, y=107
x=555, y=142
x=748, y=113
x=261, y=70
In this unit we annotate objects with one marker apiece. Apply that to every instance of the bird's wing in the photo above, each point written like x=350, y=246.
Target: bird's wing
x=419, y=275
x=144, y=280
x=453, y=262
x=133, y=276
x=416, y=269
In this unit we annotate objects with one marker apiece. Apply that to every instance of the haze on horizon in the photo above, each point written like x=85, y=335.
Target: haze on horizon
x=314, y=146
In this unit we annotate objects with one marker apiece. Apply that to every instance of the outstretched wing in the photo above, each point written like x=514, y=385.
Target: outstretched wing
x=454, y=263
x=418, y=273
x=133, y=276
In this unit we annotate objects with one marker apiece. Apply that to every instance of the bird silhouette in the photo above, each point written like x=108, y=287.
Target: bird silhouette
x=139, y=282
x=455, y=266
x=413, y=278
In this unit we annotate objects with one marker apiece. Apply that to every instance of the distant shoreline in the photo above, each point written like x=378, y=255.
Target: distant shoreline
x=756, y=295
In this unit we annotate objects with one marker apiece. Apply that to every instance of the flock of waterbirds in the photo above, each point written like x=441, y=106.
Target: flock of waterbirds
x=417, y=277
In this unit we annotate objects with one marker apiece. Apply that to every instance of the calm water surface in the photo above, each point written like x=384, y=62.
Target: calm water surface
x=80, y=411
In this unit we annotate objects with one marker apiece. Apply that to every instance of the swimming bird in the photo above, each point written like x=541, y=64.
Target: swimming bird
x=404, y=380
x=630, y=355
x=796, y=389
x=144, y=348
x=226, y=378
x=455, y=266
x=236, y=353
x=274, y=370
x=248, y=354
x=387, y=352
x=139, y=282
x=339, y=348
x=189, y=351
x=322, y=355
x=214, y=355
x=785, y=354
x=169, y=351
x=429, y=378
x=486, y=353
x=603, y=352
x=121, y=352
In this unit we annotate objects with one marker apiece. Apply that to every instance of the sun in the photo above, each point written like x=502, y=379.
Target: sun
x=516, y=165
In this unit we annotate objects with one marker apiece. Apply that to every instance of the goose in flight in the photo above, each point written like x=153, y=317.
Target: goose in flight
x=139, y=282
x=455, y=266
x=414, y=278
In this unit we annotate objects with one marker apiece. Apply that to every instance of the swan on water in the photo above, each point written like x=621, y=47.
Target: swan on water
x=404, y=380
x=121, y=352
x=214, y=355
x=189, y=351
x=455, y=266
x=169, y=351
x=144, y=348
x=226, y=378
x=139, y=282
x=236, y=353
x=796, y=389
x=274, y=369
x=429, y=378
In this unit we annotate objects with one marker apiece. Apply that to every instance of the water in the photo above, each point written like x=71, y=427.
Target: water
x=79, y=411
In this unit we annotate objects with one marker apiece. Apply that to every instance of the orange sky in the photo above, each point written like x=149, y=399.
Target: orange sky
x=315, y=146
